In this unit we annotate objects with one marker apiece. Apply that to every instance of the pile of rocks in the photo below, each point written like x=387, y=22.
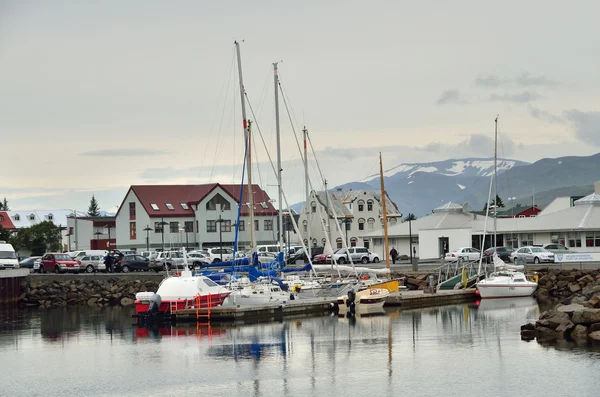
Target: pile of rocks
x=578, y=322
x=97, y=292
x=414, y=281
x=566, y=284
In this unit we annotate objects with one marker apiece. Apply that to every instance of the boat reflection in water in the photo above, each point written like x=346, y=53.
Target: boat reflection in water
x=510, y=308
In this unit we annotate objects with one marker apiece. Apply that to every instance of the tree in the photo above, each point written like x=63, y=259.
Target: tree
x=498, y=200
x=4, y=205
x=93, y=210
x=39, y=239
x=4, y=234
x=410, y=217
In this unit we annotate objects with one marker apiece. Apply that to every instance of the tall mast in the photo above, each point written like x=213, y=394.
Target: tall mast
x=247, y=138
x=385, y=229
x=495, y=243
x=308, y=209
x=280, y=198
x=327, y=210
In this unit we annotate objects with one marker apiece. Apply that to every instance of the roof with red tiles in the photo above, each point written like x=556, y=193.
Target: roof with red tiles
x=5, y=221
x=176, y=200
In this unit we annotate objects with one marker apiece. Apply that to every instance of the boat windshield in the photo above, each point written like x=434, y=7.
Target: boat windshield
x=209, y=282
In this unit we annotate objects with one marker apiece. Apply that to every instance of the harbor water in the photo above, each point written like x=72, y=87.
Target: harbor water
x=458, y=350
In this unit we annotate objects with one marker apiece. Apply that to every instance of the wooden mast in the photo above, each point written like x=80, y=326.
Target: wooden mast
x=385, y=229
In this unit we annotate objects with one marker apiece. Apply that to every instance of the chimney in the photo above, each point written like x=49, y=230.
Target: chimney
x=597, y=187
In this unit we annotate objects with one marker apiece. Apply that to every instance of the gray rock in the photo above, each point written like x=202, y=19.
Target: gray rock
x=586, y=316
x=580, y=333
x=543, y=334
x=92, y=301
x=595, y=336
x=570, y=308
x=574, y=287
x=578, y=300
x=595, y=327
x=127, y=302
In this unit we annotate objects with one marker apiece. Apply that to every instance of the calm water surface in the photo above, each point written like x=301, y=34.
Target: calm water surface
x=445, y=351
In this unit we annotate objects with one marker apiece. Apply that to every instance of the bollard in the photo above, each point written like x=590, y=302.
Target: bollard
x=431, y=283
x=415, y=264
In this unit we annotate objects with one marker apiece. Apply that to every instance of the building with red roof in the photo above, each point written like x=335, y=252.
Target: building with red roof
x=173, y=216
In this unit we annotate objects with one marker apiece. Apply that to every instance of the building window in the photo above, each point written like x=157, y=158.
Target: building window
x=371, y=224
x=512, y=240
x=526, y=239
x=157, y=227
x=32, y=217
x=370, y=205
x=17, y=217
x=313, y=207
x=305, y=242
x=338, y=242
x=393, y=220
x=256, y=228
x=314, y=243
x=50, y=217
x=242, y=226
x=574, y=239
x=323, y=242
x=174, y=227
x=361, y=205
x=211, y=226
x=132, y=211
x=366, y=243
x=154, y=206
x=361, y=224
x=305, y=226
x=353, y=242
x=70, y=231
x=225, y=225
x=218, y=200
x=268, y=224
x=170, y=206
x=189, y=226
x=132, y=231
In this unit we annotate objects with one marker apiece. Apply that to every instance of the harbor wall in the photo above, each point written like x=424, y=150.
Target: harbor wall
x=10, y=285
x=95, y=291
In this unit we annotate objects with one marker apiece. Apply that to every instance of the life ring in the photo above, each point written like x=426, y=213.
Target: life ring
x=535, y=278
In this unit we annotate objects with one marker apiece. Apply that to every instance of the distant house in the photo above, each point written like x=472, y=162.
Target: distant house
x=91, y=233
x=514, y=212
x=195, y=216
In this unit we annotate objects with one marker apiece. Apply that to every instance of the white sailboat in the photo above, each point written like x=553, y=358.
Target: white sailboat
x=507, y=281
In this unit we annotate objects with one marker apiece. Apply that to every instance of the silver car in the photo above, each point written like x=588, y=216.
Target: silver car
x=91, y=264
x=532, y=255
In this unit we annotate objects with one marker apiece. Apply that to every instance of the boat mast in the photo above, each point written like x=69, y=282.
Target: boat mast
x=495, y=243
x=247, y=137
x=308, y=209
x=327, y=211
x=387, y=248
x=280, y=198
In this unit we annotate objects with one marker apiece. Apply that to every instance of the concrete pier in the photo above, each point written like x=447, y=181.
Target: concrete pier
x=10, y=285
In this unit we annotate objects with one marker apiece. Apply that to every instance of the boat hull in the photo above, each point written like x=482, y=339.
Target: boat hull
x=168, y=305
x=505, y=290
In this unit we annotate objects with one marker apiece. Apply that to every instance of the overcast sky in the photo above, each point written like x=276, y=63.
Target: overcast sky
x=96, y=96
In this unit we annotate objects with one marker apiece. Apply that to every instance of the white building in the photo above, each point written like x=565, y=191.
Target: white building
x=451, y=226
x=358, y=212
x=171, y=216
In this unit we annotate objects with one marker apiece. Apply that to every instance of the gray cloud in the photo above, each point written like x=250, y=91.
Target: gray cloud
x=527, y=80
x=586, y=125
x=133, y=152
x=544, y=115
x=523, y=97
x=450, y=96
x=490, y=81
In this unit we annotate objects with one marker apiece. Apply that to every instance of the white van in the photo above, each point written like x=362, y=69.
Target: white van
x=81, y=254
x=274, y=249
x=8, y=257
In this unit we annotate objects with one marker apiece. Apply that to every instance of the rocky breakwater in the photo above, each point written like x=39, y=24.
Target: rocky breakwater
x=567, y=286
x=95, y=292
x=414, y=281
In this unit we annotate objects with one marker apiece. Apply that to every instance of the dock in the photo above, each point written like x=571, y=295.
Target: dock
x=316, y=306
x=10, y=284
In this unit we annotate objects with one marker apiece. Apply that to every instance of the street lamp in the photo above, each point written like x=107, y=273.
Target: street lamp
x=162, y=233
x=220, y=222
x=347, y=222
x=108, y=226
x=147, y=230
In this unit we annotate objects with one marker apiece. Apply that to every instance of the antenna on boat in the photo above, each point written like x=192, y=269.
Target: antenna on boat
x=495, y=181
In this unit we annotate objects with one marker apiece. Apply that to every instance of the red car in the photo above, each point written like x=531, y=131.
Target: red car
x=320, y=258
x=58, y=263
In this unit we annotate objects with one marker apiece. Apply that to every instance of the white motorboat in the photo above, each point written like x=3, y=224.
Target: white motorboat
x=295, y=282
x=366, y=301
x=507, y=281
x=259, y=293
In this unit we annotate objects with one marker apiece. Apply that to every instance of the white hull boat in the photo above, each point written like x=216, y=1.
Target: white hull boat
x=259, y=294
x=367, y=301
x=506, y=282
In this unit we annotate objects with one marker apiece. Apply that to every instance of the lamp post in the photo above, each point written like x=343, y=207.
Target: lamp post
x=347, y=222
x=108, y=226
x=162, y=233
x=220, y=222
x=147, y=230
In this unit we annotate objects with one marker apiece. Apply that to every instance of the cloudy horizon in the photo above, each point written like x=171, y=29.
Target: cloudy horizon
x=95, y=97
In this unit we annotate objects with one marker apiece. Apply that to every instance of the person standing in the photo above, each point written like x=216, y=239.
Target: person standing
x=394, y=255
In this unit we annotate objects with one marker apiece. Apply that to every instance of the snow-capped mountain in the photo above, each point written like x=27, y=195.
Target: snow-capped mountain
x=463, y=167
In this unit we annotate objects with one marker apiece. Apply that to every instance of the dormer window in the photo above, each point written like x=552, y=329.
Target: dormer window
x=185, y=206
x=154, y=206
x=170, y=207
x=50, y=217
x=31, y=217
x=17, y=217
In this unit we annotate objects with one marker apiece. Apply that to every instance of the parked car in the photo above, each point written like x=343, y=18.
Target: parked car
x=219, y=254
x=131, y=263
x=91, y=263
x=29, y=262
x=319, y=259
x=469, y=253
x=81, y=254
x=557, y=248
x=533, y=255
x=56, y=262
x=502, y=252
x=8, y=257
x=166, y=260
x=300, y=255
x=197, y=258
x=357, y=254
